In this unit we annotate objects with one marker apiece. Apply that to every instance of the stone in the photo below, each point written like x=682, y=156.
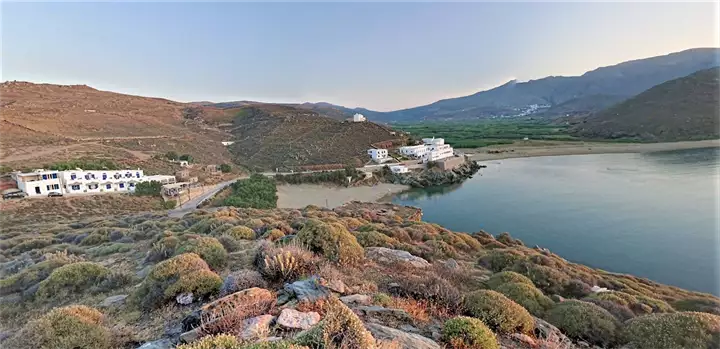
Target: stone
x=190, y=336
x=113, y=301
x=404, y=339
x=158, y=344
x=598, y=289
x=550, y=336
x=356, y=299
x=387, y=315
x=309, y=290
x=282, y=297
x=389, y=256
x=408, y=328
x=191, y=321
x=142, y=273
x=256, y=327
x=523, y=338
x=335, y=285
x=184, y=298
x=451, y=264
x=291, y=318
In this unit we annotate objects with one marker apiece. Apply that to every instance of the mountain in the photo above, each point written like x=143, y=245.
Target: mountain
x=270, y=136
x=679, y=109
x=589, y=92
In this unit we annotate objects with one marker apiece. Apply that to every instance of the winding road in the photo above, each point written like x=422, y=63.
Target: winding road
x=193, y=203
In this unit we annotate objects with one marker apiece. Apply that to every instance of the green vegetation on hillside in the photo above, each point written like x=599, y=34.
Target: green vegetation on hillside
x=487, y=132
x=257, y=191
x=336, y=177
x=94, y=164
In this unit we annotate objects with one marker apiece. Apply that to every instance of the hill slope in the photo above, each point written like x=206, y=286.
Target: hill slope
x=277, y=136
x=622, y=81
x=680, y=109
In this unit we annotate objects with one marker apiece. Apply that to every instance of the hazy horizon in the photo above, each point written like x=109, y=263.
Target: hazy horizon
x=373, y=55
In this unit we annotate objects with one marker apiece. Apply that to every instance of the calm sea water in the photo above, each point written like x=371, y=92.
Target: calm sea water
x=653, y=215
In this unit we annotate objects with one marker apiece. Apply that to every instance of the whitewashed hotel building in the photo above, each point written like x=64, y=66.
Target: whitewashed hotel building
x=432, y=149
x=41, y=182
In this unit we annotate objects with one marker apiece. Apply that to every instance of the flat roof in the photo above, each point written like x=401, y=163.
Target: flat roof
x=175, y=185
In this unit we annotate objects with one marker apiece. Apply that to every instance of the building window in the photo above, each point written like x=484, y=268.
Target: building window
x=56, y=186
x=117, y=176
x=137, y=174
x=44, y=177
x=54, y=176
x=48, y=187
x=131, y=185
x=76, y=187
x=104, y=175
x=108, y=186
x=87, y=176
x=122, y=185
x=73, y=176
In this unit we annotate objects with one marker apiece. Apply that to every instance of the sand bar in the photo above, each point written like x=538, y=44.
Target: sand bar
x=538, y=148
x=299, y=196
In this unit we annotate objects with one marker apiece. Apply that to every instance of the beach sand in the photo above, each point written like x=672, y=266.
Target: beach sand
x=524, y=149
x=299, y=196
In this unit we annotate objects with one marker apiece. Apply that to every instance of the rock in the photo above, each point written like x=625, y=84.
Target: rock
x=406, y=340
x=583, y=344
x=598, y=289
x=11, y=299
x=142, y=273
x=388, y=256
x=282, y=297
x=191, y=321
x=190, y=336
x=256, y=327
x=549, y=336
x=408, y=328
x=4, y=335
x=158, y=344
x=451, y=264
x=184, y=298
x=523, y=338
x=309, y=290
x=335, y=285
x=386, y=315
x=113, y=301
x=291, y=318
x=356, y=299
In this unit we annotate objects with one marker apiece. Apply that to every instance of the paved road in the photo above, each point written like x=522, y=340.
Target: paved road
x=192, y=205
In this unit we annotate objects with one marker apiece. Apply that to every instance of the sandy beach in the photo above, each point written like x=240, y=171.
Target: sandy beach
x=299, y=196
x=539, y=148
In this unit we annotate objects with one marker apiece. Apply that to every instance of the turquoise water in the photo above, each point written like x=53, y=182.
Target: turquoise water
x=653, y=215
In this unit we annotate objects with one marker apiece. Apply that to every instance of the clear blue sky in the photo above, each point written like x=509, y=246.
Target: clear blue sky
x=381, y=56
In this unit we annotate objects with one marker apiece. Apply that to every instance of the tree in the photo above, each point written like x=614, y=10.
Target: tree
x=225, y=168
x=151, y=188
x=186, y=157
x=171, y=155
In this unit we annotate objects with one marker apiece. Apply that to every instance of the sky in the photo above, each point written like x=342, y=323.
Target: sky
x=381, y=56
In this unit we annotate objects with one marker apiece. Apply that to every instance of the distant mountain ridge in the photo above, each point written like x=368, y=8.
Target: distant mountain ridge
x=681, y=109
x=548, y=97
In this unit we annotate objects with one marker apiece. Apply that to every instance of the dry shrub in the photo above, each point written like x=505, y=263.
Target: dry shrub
x=72, y=327
x=688, y=330
x=505, y=277
x=468, y=333
x=528, y=296
x=241, y=280
x=498, y=312
x=498, y=260
x=332, y=241
x=180, y=274
x=240, y=232
x=162, y=249
x=273, y=235
x=549, y=280
x=431, y=289
x=620, y=312
x=584, y=321
x=208, y=248
x=72, y=279
x=339, y=329
x=226, y=314
x=286, y=263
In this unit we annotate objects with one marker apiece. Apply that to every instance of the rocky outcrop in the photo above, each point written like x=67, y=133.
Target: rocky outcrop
x=309, y=290
x=113, y=301
x=293, y=319
x=434, y=177
x=389, y=256
x=404, y=339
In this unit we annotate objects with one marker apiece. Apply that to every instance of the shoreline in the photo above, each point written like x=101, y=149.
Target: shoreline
x=301, y=195
x=540, y=148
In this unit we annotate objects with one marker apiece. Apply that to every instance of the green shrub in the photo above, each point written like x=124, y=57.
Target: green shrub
x=687, y=330
x=528, y=296
x=274, y=235
x=36, y=273
x=506, y=277
x=340, y=328
x=240, y=232
x=333, y=241
x=374, y=239
x=151, y=188
x=184, y=273
x=72, y=327
x=230, y=244
x=620, y=312
x=498, y=312
x=257, y=191
x=169, y=205
x=705, y=305
x=657, y=305
x=209, y=248
x=242, y=280
x=620, y=298
x=498, y=260
x=225, y=168
x=72, y=278
x=549, y=280
x=584, y=321
x=576, y=289
x=468, y=333
x=163, y=249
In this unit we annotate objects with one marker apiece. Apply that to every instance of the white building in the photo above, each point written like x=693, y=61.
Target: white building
x=432, y=149
x=378, y=155
x=226, y=143
x=359, y=118
x=78, y=181
x=399, y=169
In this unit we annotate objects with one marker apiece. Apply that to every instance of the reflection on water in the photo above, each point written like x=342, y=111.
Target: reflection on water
x=652, y=215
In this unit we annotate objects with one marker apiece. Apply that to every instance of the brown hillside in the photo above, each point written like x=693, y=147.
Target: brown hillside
x=276, y=136
x=680, y=109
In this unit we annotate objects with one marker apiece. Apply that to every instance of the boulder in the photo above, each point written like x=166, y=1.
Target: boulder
x=291, y=318
x=184, y=298
x=387, y=316
x=404, y=339
x=356, y=299
x=158, y=344
x=523, y=338
x=549, y=336
x=190, y=336
x=113, y=301
x=334, y=285
x=451, y=264
x=309, y=290
x=389, y=256
x=256, y=327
